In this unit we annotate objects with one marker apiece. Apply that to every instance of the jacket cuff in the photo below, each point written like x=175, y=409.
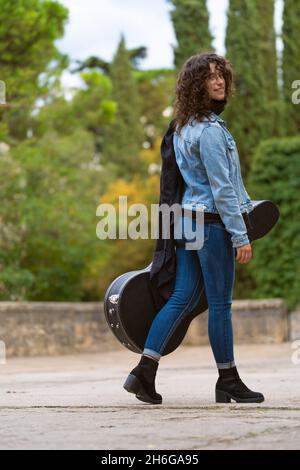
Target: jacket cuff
x=240, y=241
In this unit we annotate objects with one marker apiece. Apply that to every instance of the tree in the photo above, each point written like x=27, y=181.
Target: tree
x=268, y=44
x=247, y=113
x=14, y=279
x=28, y=30
x=290, y=63
x=123, y=139
x=54, y=208
x=156, y=89
x=191, y=26
x=127, y=254
x=276, y=112
x=275, y=175
x=91, y=108
x=94, y=62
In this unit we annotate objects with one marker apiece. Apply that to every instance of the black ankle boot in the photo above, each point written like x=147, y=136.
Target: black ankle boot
x=141, y=381
x=230, y=386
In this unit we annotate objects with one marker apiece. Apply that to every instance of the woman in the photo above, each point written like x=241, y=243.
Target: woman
x=208, y=160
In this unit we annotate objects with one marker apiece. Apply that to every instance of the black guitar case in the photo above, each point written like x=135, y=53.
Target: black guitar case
x=128, y=303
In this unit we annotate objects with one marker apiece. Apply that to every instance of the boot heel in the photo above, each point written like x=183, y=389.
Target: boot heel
x=132, y=384
x=222, y=397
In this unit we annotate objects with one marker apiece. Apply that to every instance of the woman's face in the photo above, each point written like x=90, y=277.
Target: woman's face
x=215, y=83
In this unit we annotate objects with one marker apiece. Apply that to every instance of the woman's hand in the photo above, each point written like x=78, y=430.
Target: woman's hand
x=244, y=253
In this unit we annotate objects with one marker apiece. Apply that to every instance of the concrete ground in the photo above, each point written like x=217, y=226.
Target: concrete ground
x=78, y=402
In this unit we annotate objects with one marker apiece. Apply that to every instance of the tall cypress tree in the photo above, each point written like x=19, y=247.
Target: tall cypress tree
x=247, y=112
x=290, y=63
x=268, y=44
x=123, y=139
x=271, y=66
x=191, y=25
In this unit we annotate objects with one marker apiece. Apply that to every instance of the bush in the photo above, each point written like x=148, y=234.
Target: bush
x=275, y=175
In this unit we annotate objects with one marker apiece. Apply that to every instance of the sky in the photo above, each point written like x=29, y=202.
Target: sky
x=95, y=26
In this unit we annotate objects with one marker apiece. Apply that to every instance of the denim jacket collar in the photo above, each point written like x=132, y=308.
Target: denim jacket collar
x=213, y=117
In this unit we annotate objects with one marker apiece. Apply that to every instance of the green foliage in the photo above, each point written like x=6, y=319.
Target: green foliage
x=247, y=114
x=290, y=63
x=124, y=255
x=268, y=45
x=191, y=27
x=89, y=149
x=124, y=137
x=14, y=279
x=56, y=218
x=28, y=30
x=156, y=89
x=275, y=175
x=91, y=108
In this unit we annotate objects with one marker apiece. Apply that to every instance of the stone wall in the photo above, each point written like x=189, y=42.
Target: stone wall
x=254, y=321
x=53, y=328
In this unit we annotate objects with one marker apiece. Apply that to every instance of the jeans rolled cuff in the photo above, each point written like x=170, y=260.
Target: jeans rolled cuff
x=151, y=353
x=225, y=365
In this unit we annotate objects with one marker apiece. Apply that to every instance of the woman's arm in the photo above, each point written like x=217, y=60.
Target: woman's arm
x=212, y=146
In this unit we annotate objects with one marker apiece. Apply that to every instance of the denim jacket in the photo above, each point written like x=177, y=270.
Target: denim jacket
x=208, y=159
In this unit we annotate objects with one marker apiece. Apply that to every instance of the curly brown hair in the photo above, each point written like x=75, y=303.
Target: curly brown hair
x=191, y=95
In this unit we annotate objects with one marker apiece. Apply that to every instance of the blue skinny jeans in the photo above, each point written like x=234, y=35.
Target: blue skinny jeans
x=216, y=259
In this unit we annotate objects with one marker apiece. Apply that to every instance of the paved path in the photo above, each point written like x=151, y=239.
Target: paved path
x=78, y=402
